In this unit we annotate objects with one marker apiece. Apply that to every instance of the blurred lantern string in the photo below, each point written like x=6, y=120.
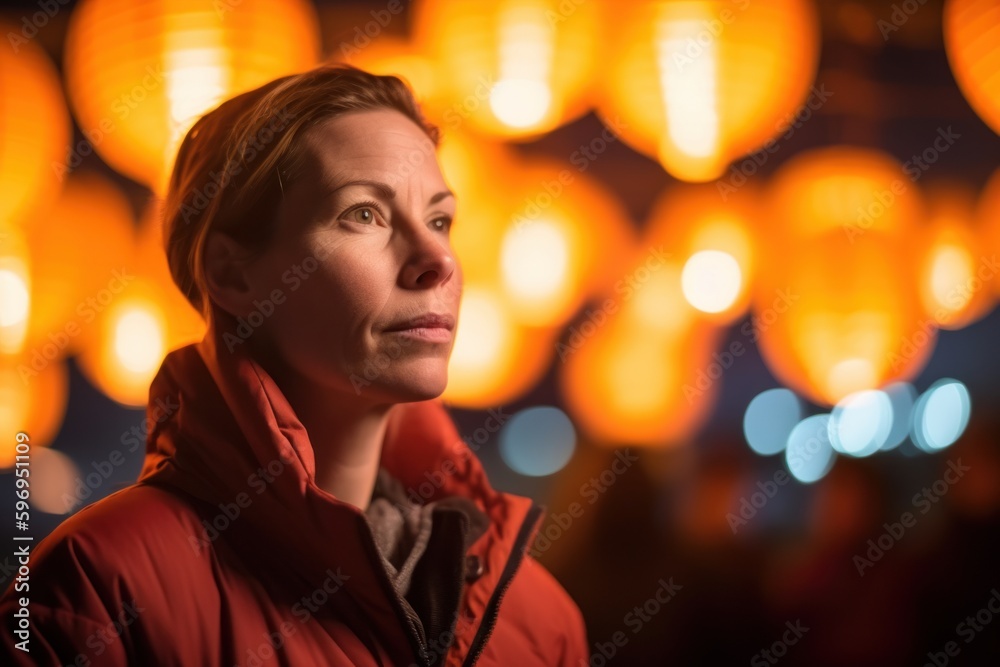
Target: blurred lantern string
x=840, y=266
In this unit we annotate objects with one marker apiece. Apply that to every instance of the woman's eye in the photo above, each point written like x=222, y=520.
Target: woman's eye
x=363, y=214
x=442, y=224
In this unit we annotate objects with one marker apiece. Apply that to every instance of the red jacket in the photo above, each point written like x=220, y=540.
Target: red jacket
x=225, y=552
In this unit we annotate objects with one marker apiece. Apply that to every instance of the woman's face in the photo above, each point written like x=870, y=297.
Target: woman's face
x=362, y=247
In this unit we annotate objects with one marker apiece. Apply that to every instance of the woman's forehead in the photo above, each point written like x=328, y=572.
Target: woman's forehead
x=369, y=134
x=381, y=145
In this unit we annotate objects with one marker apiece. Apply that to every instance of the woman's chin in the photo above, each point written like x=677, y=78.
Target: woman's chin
x=421, y=386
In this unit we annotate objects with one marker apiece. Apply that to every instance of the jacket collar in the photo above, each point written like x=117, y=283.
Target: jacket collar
x=225, y=434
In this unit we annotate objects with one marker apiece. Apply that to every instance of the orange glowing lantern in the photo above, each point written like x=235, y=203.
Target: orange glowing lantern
x=698, y=83
x=651, y=296
x=564, y=238
x=955, y=274
x=513, y=68
x=391, y=55
x=836, y=309
x=713, y=240
x=184, y=323
x=473, y=167
x=853, y=190
x=495, y=359
x=34, y=127
x=53, y=484
x=82, y=251
x=623, y=384
x=122, y=353
x=972, y=42
x=988, y=222
x=15, y=289
x=139, y=74
x=32, y=400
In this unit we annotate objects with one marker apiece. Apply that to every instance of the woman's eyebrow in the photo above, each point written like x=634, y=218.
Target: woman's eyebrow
x=387, y=190
x=383, y=188
x=441, y=195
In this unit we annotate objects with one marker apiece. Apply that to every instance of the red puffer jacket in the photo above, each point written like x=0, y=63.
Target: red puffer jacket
x=225, y=552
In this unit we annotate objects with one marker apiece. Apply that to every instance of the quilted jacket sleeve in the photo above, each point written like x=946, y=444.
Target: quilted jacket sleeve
x=71, y=618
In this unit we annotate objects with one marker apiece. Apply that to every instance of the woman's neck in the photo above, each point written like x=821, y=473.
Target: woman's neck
x=345, y=431
x=347, y=443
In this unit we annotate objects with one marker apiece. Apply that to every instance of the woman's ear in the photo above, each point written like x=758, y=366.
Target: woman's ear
x=226, y=263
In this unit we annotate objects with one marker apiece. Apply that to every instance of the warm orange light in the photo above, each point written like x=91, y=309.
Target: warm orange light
x=15, y=289
x=477, y=171
x=713, y=240
x=495, y=360
x=972, y=42
x=850, y=189
x=988, y=225
x=53, y=482
x=516, y=68
x=82, y=253
x=139, y=74
x=184, y=323
x=474, y=168
x=651, y=296
x=836, y=309
x=33, y=400
x=121, y=356
x=543, y=234
x=956, y=272
x=624, y=384
x=390, y=55
x=34, y=127
x=565, y=237
x=698, y=83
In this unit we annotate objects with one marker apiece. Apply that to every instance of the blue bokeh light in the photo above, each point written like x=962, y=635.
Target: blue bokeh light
x=538, y=441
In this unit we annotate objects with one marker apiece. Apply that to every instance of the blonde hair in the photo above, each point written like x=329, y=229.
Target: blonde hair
x=234, y=163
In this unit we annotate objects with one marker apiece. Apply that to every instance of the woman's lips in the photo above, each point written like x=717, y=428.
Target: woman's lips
x=429, y=334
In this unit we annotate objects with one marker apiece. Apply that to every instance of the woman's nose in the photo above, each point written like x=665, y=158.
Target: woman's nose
x=430, y=260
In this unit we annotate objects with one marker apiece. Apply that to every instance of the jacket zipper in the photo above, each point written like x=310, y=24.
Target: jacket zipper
x=493, y=607
x=417, y=641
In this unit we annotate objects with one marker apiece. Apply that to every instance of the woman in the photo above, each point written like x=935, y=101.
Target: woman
x=305, y=498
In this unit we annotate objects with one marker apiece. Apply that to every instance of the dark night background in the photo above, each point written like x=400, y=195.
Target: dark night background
x=664, y=518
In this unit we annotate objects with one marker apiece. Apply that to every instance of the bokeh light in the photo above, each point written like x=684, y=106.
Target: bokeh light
x=712, y=238
x=33, y=397
x=956, y=269
x=987, y=221
x=495, y=358
x=838, y=297
x=941, y=415
x=809, y=454
x=53, y=478
x=697, y=84
x=769, y=420
x=972, y=42
x=564, y=237
x=139, y=74
x=711, y=280
x=622, y=382
x=34, y=127
x=82, y=257
x=123, y=351
x=902, y=396
x=860, y=423
x=538, y=441
x=511, y=69
x=15, y=289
